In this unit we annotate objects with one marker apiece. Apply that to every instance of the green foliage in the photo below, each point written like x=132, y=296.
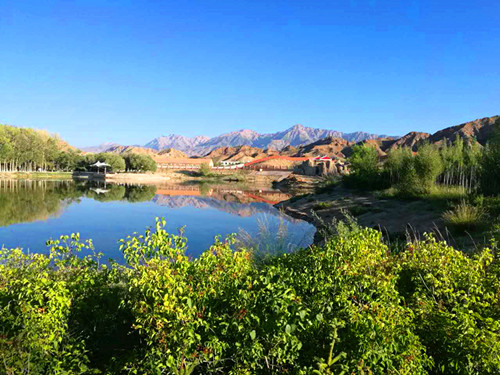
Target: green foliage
x=205, y=170
x=454, y=299
x=365, y=170
x=116, y=162
x=140, y=163
x=23, y=149
x=428, y=166
x=490, y=164
x=350, y=306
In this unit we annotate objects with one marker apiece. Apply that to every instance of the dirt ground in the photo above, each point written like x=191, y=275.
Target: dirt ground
x=388, y=215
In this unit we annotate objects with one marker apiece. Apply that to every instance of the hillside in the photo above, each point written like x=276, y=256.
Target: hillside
x=330, y=146
x=172, y=153
x=100, y=148
x=121, y=150
x=178, y=142
x=240, y=153
x=473, y=131
x=479, y=130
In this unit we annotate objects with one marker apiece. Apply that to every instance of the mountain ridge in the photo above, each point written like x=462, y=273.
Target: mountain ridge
x=297, y=135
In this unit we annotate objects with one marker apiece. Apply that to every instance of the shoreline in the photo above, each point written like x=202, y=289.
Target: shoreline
x=36, y=175
x=393, y=216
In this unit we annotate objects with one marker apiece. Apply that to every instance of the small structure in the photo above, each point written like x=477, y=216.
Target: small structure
x=321, y=166
x=227, y=163
x=181, y=163
x=100, y=165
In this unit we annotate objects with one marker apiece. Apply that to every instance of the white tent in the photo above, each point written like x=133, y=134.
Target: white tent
x=99, y=164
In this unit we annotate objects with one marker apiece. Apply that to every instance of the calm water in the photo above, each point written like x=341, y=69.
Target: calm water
x=32, y=212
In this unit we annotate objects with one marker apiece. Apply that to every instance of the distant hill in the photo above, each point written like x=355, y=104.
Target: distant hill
x=239, y=153
x=479, y=130
x=100, y=148
x=297, y=135
x=330, y=146
x=473, y=131
x=178, y=142
x=172, y=153
x=130, y=149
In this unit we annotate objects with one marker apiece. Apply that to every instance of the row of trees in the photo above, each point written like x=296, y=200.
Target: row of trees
x=468, y=165
x=28, y=150
x=24, y=149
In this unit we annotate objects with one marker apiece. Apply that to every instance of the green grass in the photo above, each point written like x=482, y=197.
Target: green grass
x=464, y=216
x=322, y=205
x=437, y=192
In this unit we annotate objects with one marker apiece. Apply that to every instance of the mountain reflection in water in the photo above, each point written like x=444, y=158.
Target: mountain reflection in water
x=33, y=211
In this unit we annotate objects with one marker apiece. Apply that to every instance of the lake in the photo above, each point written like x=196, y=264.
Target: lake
x=33, y=211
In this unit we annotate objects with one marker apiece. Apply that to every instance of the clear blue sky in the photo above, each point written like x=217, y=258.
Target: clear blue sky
x=128, y=71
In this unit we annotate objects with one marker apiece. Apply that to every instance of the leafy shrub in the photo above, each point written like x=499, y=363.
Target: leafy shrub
x=349, y=306
x=365, y=173
x=455, y=304
x=205, y=170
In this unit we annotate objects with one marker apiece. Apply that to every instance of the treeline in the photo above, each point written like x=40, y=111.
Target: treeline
x=351, y=306
x=128, y=162
x=467, y=165
x=23, y=149
x=29, y=150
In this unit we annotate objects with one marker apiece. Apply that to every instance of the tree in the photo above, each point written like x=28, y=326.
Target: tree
x=116, y=162
x=205, y=170
x=490, y=163
x=428, y=166
x=28, y=150
x=140, y=163
x=365, y=170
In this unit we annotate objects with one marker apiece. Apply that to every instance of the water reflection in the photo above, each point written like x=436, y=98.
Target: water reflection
x=33, y=211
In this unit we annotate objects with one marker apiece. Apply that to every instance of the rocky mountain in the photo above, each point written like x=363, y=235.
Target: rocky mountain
x=479, y=130
x=473, y=131
x=239, y=153
x=412, y=140
x=297, y=135
x=178, y=142
x=131, y=149
x=172, y=153
x=101, y=148
x=330, y=146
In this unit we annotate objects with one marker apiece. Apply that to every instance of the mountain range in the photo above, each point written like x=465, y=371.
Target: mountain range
x=297, y=135
x=244, y=145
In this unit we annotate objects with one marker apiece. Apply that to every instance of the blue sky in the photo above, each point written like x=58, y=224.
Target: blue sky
x=128, y=71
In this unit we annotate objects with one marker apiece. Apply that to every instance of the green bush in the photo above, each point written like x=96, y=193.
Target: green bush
x=365, y=172
x=205, y=170
x=350, y=306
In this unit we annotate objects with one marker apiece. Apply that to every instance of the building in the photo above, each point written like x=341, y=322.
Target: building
x=227, y=163
x=181, y=163
x=275, y=162
x=322, y=166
